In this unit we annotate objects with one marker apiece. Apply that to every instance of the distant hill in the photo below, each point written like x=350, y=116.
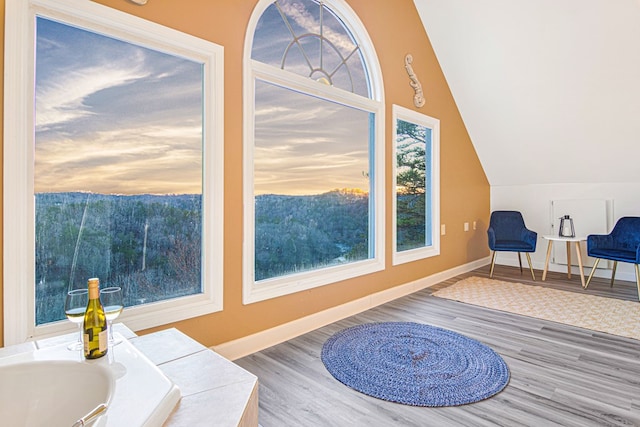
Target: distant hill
x=151, y=245
x=295, y=233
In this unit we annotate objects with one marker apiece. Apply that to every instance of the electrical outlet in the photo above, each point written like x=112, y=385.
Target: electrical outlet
x=466, y=226
x=474, y=225
x=443, y=230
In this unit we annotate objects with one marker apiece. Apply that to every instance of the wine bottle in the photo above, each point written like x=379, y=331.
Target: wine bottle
x=95, y=324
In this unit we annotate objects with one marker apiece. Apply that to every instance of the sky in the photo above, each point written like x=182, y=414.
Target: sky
x=326, y=149
x=116, y=118
x=304, y=145
x=113, y=117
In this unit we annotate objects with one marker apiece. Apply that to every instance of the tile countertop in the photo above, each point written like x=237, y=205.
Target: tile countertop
x=215, y=391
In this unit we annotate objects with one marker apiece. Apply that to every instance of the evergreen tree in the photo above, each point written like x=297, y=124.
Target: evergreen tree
x=411, y=184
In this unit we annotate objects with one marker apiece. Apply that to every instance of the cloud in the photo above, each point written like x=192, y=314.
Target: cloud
x=317, y=51
x=113, y=117
x=63, y=99
x=125, y=161
x=306, y=145
x=332, y=29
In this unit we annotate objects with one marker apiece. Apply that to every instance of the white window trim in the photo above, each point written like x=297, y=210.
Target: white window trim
x=18, y=242
x=272, y=288
x=411, y=116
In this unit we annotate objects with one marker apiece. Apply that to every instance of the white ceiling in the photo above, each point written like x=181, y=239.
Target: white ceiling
x=549, y=89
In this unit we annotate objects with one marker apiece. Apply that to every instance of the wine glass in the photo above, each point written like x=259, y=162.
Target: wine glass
x=111, y=299
x=75, y=305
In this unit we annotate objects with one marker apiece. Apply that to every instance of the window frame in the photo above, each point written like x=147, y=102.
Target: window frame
x=19, y=106
x=253, y=71
x=412, y=116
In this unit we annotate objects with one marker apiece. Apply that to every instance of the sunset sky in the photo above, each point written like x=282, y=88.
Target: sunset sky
x=327, y=148
x=305, y=145
x=112, y=117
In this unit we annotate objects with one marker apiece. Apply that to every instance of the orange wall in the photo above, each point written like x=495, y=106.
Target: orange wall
x=395, y=29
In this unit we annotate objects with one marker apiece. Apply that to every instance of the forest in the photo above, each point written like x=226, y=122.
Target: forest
x=151, y=245
x=299, y=233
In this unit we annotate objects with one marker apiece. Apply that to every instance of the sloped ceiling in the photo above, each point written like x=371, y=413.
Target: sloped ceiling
x=549, y=89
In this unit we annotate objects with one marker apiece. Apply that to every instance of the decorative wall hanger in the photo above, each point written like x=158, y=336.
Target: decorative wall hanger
x=418, y=98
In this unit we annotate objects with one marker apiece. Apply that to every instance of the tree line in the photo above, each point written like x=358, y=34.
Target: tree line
x=151, y=245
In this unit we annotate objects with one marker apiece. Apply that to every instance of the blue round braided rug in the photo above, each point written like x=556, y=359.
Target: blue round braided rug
x=414, y=364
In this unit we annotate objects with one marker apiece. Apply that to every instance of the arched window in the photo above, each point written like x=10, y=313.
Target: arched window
x=313, y=171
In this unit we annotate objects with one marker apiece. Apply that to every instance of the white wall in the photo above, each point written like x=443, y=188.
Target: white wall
x=534, y=203
x=549, y=90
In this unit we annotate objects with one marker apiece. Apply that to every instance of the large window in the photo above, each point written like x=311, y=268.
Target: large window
x=120, y=166
x=313, y=149
x=416, y=204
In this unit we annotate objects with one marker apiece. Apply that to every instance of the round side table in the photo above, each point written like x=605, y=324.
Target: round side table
x=576, y=240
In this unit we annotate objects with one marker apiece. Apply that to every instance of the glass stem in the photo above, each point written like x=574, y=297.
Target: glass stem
x=80, y=337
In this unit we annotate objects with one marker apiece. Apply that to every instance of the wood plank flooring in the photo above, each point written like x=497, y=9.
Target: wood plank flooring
x=560, y=375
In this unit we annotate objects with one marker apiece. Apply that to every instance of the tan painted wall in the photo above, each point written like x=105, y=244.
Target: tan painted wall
x=395, y=29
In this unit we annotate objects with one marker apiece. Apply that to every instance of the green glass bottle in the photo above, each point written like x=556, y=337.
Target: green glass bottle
x=95, y=324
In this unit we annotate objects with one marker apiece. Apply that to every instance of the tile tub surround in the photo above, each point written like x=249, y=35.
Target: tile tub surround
x=215, y=391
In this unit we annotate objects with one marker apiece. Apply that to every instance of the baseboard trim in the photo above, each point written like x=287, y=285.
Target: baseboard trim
x=242, y=347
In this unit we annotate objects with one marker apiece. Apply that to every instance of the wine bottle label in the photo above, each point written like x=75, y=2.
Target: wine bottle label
x=103, y=341
x=103, y=344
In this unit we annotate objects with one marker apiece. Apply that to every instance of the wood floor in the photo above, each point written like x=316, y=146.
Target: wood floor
x=560, y=375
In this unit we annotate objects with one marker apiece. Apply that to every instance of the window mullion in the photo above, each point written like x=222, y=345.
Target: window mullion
x=305, y=85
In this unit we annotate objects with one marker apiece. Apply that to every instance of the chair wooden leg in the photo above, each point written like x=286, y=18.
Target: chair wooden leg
x=613, y=273
x=493, y=263
x=638, y=280
x=530, y=266
x=520, y=262
x=593, y=270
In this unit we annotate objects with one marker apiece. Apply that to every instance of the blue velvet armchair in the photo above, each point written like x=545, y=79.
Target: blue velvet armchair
x=508, y=233
x=622, y=244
